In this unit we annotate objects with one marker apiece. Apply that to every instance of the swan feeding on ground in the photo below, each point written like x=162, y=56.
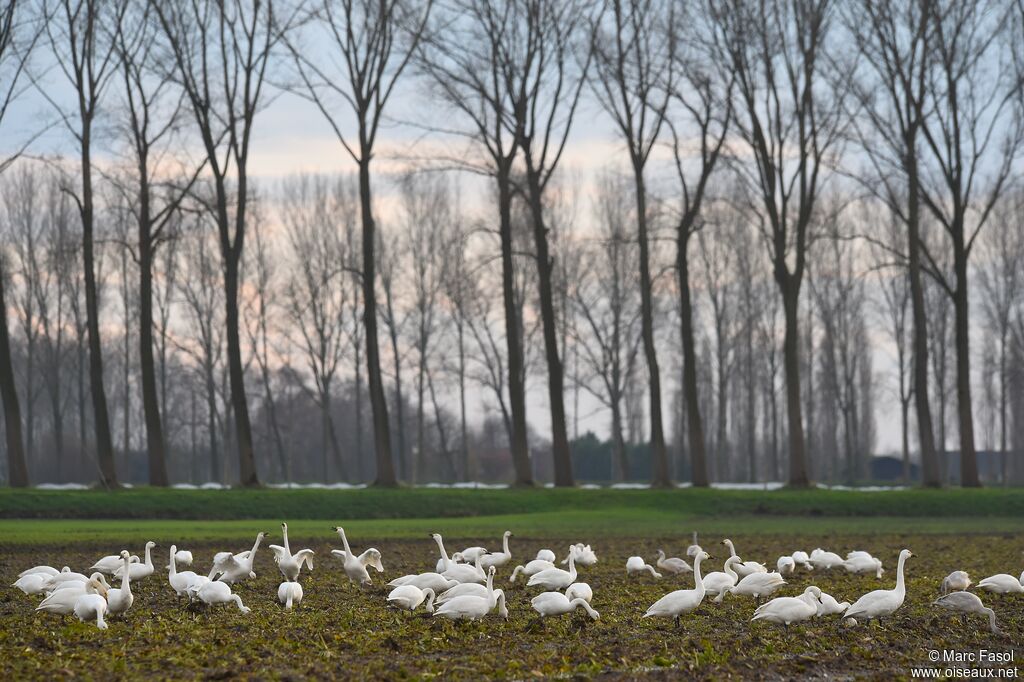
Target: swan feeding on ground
x=827, y=605
x=955, y=582
x=91, y=606
x=786, y=610
x=409, y=597
x=531, y=568
x=1002, y=583
x=880, y=603
x=62, y=602
x=785, y=565
x=471, y=607
x=216, y=592
x=758, y=585
x=672, y=564
x=717, y=583
x=966, y=603
x=181, y=580
x=290, y=564
x=637, y=566
x=580, y=591
x=555, y=578
x=862, y=562
x=828, y=560
x=433, y=581
x=546, y=555
x=675, y=604
x=802, y=560
x=743, y=568
x=585, y=556
x=289, y=593
x=556, y=604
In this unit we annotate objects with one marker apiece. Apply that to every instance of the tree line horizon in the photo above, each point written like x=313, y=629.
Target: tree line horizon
x=798, y=184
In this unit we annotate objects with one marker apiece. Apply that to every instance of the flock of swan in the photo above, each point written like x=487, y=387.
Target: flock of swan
x=462, y=585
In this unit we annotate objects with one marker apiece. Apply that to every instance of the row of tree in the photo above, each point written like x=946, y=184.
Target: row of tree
x=864, y=149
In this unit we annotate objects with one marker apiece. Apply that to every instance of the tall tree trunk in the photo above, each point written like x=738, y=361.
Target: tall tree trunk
x=618, y=442
x=968, y=454
x=211, y=421
x=236, y=374
x=17, y=469
x=694, y=423
x=378, y=403
x=155, y=444
x=791, y=362
x=467, y=474
x=513, y=337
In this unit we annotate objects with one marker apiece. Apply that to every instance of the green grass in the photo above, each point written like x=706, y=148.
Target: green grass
x=421, y=503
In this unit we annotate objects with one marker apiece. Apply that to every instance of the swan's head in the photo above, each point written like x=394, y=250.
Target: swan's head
x=728, y=543
x=491, y=571
x=457, y=557
x=906, y=554
x=174, y=550
x=134, y=558
x=125, y=555
x=150, y=545
x=97, y=585
x=436, y=537
x=732, y=560
x=703, y=556
x=813, y=590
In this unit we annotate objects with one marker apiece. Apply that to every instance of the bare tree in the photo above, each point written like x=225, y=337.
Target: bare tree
x=371, y=41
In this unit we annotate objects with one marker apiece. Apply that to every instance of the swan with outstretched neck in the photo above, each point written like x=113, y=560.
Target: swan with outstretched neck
x=119, y=600
x=556, y=578
x=290, y=564
x=181, y=580
x=463, y=573
x=471, y=607
x=675, y=604
x=880, y=603
x=232, y=568
x=355, y=566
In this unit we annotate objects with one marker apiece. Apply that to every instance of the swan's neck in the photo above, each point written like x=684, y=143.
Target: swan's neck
x=729, y=570
x=698, y=581
x=149, y=559
x=255, y=546
x=430, y=598
x=172, y=567
x=900, y=586
x=126, y=578
x=344, y=541
x=492, y=598
x=504, y=543
x=572, y=566
x=580, y=602
x=444, y=554
x=732, y=549
x=286, y=547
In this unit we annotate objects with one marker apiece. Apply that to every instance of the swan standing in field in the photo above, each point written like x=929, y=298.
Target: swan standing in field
x=580, y=591
x=802, y=560
x=717, y=583
x=119, y=600
x=743, y=568
x=181, y=580
x=675, y=604
x=556, y=578
x=880, y=603
x=672, y=564
x=355, y=566
x=758, y=585
x=785, y=565
x=585, y=556
x=637, y=566
x=827, y=605
x=556, y=604
x=140, y=570
x=289, y=593
x=216, y=592
x=470, y=607
x=786, y=610
x=1002, y=583
x=92, y=606
x=463, y=573
x=531, y=568
x=409, y=597
x=546, y=555
x=497, y=559
x=862, y=562
x=290, y=564
x=955, y=582
x=32, y=583
x=110, y=563
x=232, y=568
x=965, y=603
x=828, y=560
x=62, y=602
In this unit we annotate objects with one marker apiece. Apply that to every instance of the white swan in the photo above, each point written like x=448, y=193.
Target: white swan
x=463, y=573
x=289, y=593
x=471, y=607
x=637, y=566
x=111, y=563
x=786, y=610
x=694, y=549
x=497, y=559
x=546, y=555
x=675, y=604
x=63, y=601
x=965, y=603
x=555, y=578
x=290, y=564
x=556, y=604
x=90, y=607
x=181, y=580
x=1002, y=583
x=956, y=581
x=802, y=560
x=743, y=568
x=584, y=555
x=758, y=585
x=456, y=557
x=32, y=583
x=54, y=581
x=355, y=566
x=828, y=560
x=462, y=590
x=216, y=592
x=785, y=565
x=48, y=570
x=232, y=568
x=827, y=605
x=531, y=568
x=862, y=562
x=717, y=583
x=409, y=597
x=672, y=564
x=119, y=600
x=580, y=591
x=433, y=581
x=140, y=570
x=879, y=603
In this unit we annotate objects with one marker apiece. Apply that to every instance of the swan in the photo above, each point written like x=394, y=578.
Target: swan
x=471, y=607
x=498, y=559
x=580, y=591
x=673, y=564
x=758, y=585
x=462, y=590
x=355, y=566
x=409, y=597
x=675, y=604
x=694, y=549
x=965, y=603
x=290, y=564
x=1002, y=583
x=289, y=593
x=785, y=565
x=743, y=568
x=788, y=610
x=119, y=600
x=556, y=604
x=862, y=562
x=433, y=581
x=556, y=578
x=111, y=563
x=32, y=583
x=140, y=570
x=232, y=568
x=828, y=560
x=91, y=606
x=54, y=581
x=717, y=583
x=180, y=581
x=802, y=560
x=48, y=570
x=216, y=592
x=636, y=566
x=956, y=581
x=546, y=555
x=878, y=603
x=827, y=605
x=463, y=573
x=63, y=601
x=183, y=557
x=531, y=568
x=456, y=557
x=584, y=555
